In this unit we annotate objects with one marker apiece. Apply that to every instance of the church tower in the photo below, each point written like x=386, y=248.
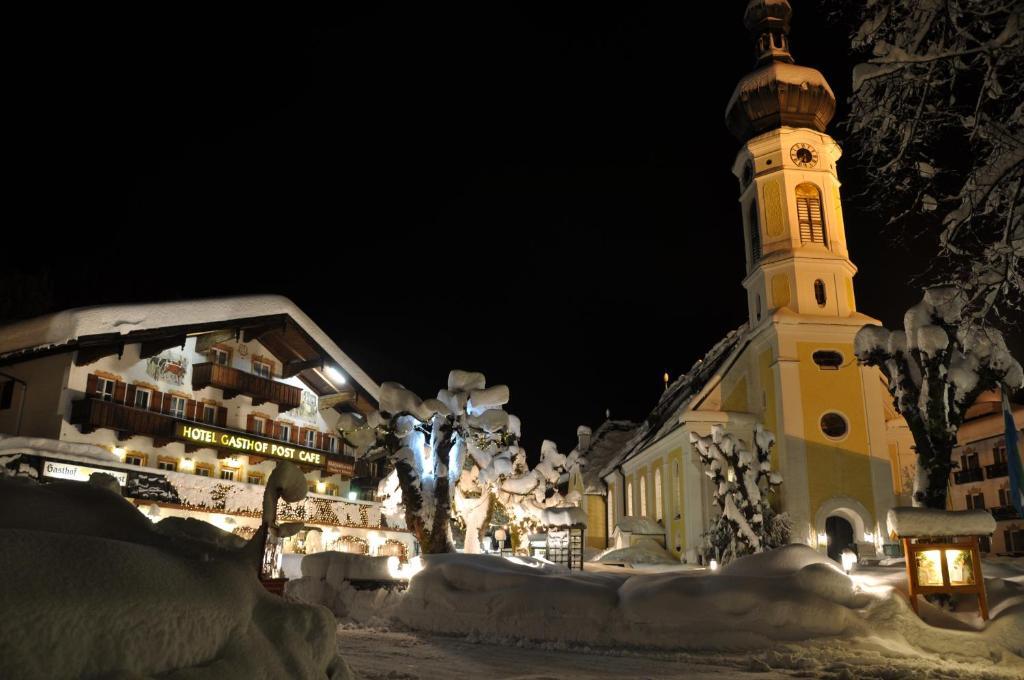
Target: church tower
x=796, y=253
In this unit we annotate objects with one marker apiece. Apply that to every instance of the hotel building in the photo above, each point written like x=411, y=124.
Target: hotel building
x=190, y=405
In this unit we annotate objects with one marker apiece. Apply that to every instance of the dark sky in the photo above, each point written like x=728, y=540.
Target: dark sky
x=542, y=195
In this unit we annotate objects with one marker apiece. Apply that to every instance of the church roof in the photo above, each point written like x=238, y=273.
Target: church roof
x=777, y=92
x=605, y=443
x=664, y=419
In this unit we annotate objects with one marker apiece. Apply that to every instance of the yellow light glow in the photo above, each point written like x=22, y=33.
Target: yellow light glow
x=321, y=487
x=187, y=464
x=929, y=568
x=118, y=451
x=960, y=564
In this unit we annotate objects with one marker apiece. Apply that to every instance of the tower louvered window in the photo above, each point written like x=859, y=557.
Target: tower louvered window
x=809, y=214
x=755, y=236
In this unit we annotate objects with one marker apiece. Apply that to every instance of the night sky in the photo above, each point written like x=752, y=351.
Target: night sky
x=540, y=194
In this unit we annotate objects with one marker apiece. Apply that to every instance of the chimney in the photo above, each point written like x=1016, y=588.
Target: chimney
x=583, y=438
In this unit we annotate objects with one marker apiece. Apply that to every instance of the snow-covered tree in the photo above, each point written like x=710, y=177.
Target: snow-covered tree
x=939, y=79
x=937, y=366
x=743, y=481
x=427, y=442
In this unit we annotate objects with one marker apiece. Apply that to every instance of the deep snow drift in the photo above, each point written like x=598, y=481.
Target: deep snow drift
x=757, y=604
x=93, y=590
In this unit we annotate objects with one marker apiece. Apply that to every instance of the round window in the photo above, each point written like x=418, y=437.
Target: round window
x=834, y=425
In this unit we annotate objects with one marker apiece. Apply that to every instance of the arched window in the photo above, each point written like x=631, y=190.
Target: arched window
x=755, y=235
x=808, y=212
x=643, y=495
x=611, y=508
x=677, y=487
x=629, y=499
x=819, y=292
x=658, y=508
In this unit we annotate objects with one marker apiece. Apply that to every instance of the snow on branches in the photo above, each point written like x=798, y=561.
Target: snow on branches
x=743, y=481
x=939, y=78
x=937, y=367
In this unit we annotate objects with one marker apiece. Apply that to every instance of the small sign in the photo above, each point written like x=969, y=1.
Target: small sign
x=79, y=473
x=204, y=435
x=340, y=467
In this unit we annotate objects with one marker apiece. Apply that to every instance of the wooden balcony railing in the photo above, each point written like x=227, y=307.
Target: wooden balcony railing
x=1004, y=512
x=234, y=382
x=968, y=475
x=91, y=414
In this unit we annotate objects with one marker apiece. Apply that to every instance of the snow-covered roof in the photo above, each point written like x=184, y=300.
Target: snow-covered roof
x=54, y=331
x=607, y=441
x=930, y=522
x=676, y=399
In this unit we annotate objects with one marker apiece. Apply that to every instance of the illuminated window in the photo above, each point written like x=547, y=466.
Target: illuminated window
x=611, y=507
x=678, y=487
x=226, y=473
x=657, y=495
x=834, y=425
x=643, y=495
x=809, y=215
x=629, y=499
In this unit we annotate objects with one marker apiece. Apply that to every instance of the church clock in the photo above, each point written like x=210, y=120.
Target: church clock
x=804, y=155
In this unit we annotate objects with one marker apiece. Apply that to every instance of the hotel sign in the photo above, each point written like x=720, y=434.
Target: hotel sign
x=79, y=473
x=216, y=438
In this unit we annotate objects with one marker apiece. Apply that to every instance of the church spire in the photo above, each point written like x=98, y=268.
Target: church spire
x=778, y=91
x=768, y=23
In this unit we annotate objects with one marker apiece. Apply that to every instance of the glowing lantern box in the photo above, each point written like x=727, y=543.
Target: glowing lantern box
x=941, y=549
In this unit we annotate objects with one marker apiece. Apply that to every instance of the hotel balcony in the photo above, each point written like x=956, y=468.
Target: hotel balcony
x=233, y=382
x=996, y=470
x=1004, y=512
x=92, y=414
x=968, y=475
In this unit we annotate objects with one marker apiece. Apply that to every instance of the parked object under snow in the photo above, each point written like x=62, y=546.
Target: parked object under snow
x=101, y=593
x=644, y=551
x=350, y=585
x=930, y=522
x=937, y=366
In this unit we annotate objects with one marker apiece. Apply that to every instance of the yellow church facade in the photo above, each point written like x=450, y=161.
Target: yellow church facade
x=840, y=447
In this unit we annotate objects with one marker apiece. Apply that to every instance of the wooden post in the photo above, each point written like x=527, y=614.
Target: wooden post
x=911, y=564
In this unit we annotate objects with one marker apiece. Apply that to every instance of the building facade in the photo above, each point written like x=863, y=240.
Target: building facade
x=791, y=367
x=980, y=478
x=190, y=405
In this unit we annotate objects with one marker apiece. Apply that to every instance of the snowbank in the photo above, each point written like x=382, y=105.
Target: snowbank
x=639, y=525
x=41, y=445
x=327, y=580
x=920, y=522
x=99, y=592
x=793, y=594
x=644, y=552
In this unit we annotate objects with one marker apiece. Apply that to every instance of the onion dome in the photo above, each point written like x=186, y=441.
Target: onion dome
x=778, y=92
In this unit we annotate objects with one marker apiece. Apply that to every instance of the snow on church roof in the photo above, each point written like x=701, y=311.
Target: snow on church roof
x=676, y=399
x=54, y=331
x=607, y=441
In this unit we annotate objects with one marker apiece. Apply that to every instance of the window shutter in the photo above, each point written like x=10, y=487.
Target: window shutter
x=295, y=435
x=276, y=429
x=156, y=401
x=92, y=384
x=130, y=395
x=190, y=409
x=250, y=423
x=222, y=416
x=119, y=392
x=320, y=441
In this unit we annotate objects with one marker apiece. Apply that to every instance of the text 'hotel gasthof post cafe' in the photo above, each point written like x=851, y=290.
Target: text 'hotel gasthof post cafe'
x=189, y=405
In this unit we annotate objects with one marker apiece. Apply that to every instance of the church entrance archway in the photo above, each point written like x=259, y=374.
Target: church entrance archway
x=840, y=536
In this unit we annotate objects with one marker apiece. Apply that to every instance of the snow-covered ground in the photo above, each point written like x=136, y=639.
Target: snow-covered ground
x=782, y=614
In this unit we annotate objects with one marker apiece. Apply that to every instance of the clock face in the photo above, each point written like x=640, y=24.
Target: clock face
x=804, y=155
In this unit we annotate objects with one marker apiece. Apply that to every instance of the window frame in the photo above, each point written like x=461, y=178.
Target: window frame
x=162, y=461
x=101, y=393
x=265, y=364
x=142, y=391
x=141, y=457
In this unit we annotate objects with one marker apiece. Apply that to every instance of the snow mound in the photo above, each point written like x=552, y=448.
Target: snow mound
x=52, y=446
x=919, y=522
x=779, y=562
x=128, y=601
x=644, y=552
x=639, y=525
